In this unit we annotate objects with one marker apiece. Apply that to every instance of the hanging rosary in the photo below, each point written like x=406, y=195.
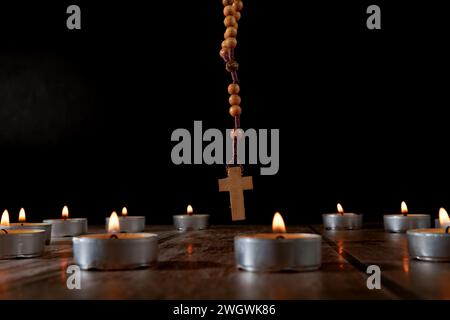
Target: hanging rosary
x=235, y=184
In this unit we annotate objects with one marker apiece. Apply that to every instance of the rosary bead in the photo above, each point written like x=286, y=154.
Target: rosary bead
x=230, y=21
x=234, y=99
x=229, y=43
x=234, y=88
x=237, y=16
x=230, y=33
x=227, y=2
x=232, y=66
x=229, y=11
x=235, y=110
x=224, y=53
x=238, y=5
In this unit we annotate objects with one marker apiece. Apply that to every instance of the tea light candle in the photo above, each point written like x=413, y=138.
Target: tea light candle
x=443, y=221
x=19, y=243
x=191, y=221
x=47, y=227
x=402, y=222
x=66, y=227
x=341, y=220
x=431, y=244
x=129, y=223
x=278, y=251
x=115, y=250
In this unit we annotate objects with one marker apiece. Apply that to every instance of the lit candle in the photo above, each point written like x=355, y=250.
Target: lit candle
x=66, y=227
x=129, y=223
x=400, y=223
x=22, y=224
x=115, y=250
x=191, y=221
x=342, y=220
x=431, y=244
x=278, y=251
x=442, y=217
x=19, y=243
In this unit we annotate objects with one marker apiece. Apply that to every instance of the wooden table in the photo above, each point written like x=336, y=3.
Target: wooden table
x=200, y=265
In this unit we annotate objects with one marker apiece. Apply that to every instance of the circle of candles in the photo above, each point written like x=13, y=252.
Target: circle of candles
x=47, y=227
x=115, y=250
x=129, y=223
x=400, y=223
x=66, y=227
x=341, y=220
x=20, y=243
x=190, y=221
x=278, y=251
x=431, y=244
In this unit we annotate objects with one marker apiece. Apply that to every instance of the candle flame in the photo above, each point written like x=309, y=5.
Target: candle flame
x=189, y=210
x=65, y=212
x=22, y=216
x=113, y=225
x=5, y=219
x=340, y=209
x=404, y=208
x=444, y=219
x=278, y=223
x=124, y=211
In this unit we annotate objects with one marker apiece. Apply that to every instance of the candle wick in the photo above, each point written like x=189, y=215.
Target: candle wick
x=4, y=230
x=280, y=237
x=114, y=236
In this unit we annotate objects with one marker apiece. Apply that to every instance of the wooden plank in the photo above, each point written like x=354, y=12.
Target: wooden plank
x=406, y=277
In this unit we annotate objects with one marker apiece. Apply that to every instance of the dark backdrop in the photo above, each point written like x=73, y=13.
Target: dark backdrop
x=86, y=116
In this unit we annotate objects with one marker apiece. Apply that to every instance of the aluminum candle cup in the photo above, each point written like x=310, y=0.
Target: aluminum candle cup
x=20, y=243
x=271, y=252
x=184, y=222
x=345, y=221
x=67, y=227
x=429, y=244
x=115, y=251
x=190, y=221
x=400, y=223
x=47, y=227
x=130, y=223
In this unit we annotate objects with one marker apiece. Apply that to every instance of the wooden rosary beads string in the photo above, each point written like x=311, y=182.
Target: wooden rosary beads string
x=235, y=183
x=232, y=12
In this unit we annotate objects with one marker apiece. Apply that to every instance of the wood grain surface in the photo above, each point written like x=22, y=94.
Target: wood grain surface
x=200, y=265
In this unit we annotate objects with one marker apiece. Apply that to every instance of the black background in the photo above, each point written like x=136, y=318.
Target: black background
x=86, y=116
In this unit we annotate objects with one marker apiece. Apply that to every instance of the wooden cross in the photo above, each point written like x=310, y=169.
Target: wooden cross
x=236, y=184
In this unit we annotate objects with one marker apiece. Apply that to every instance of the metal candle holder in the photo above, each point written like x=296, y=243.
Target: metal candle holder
x=67, y=227
x=338, y=221
x=47, y=227
x=185, y=222
x=400, y=223
x=270, y=252
x=429, y=244
x=130, y=223
x=115, y=252
x=20, y=243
